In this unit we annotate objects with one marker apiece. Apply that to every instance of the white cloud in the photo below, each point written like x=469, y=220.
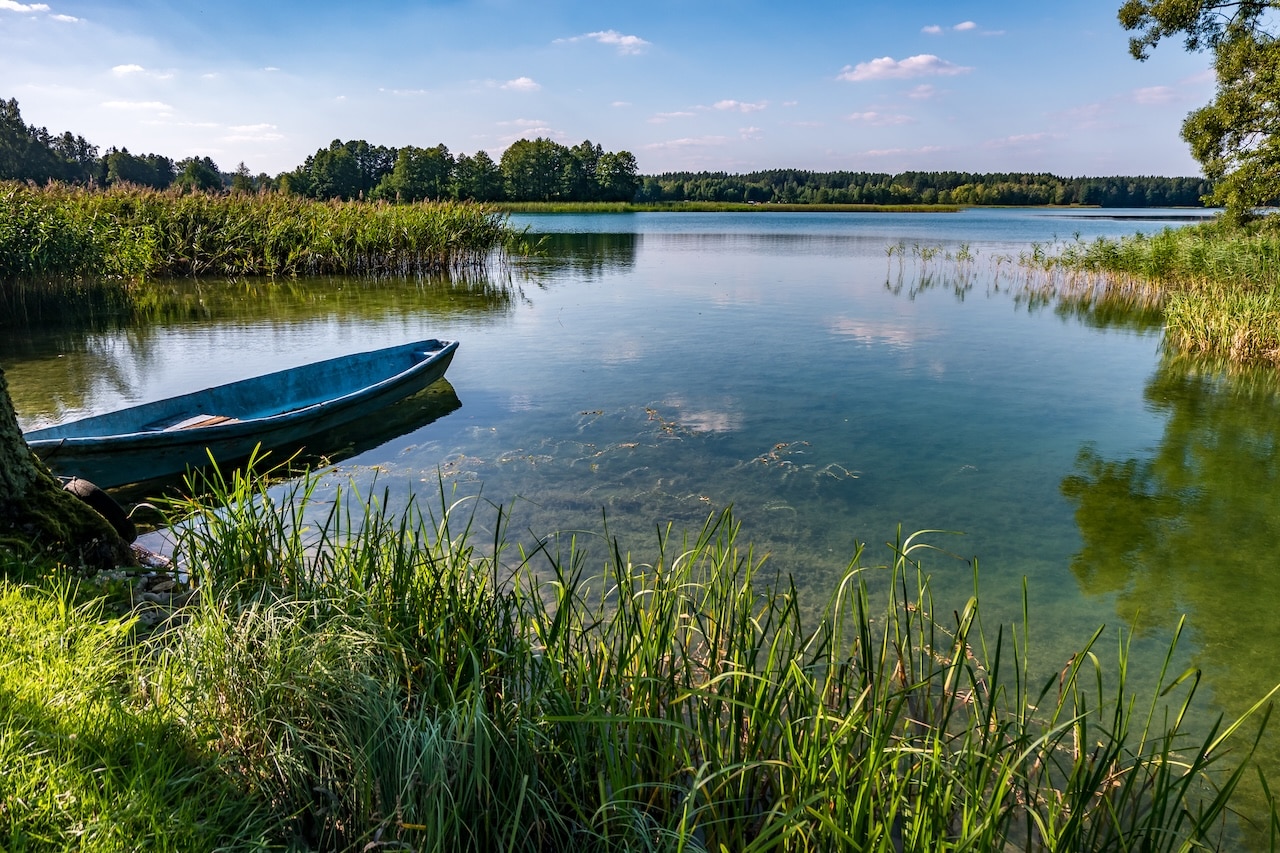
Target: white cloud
x=127, y=70
x=620, y=104
x=136, y=105
x=270, y=69
x=888, y=68
x=521, y=84
x=626, y=45
x=523, y=122
x=405, y=92
x=890, y=152
x=25, y=8
x=66, y=19
x=661, y=118
x=750, y=132
x=1017, y=140
x=253, y=133
x=739, y=106
x=1152, y=95
x=922, y=92
x=688, y=142
x=876, y=119
x=962, y=27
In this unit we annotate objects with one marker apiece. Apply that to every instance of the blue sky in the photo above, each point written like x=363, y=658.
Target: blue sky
x=682, y=84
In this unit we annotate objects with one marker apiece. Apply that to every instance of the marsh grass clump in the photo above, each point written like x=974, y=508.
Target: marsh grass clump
x=57, y=241
x=375, y=677
x=1219, y=285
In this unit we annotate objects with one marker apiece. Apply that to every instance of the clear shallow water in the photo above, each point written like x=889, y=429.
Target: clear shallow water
x=659, y=367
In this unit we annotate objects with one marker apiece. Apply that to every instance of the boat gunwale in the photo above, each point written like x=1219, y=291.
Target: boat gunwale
x=243, y=426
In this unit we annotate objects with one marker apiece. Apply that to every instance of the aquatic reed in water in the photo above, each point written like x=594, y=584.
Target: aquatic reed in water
x=67, y=232
x=1219, y=287
x=379, y=679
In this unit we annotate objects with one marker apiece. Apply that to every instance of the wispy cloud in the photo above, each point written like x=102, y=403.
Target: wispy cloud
x=663, y=118
x=405, y=92
x=962, y=27
x=877, y=119
x=620, y=104
x=626, y=45
x=23, y=8
x=132, y=69
x=750, y=132
x=888, y=68
x=739, y=106
x=521, y=84
x=1155, y=95
x=270, y=69
x=136, y=105
x=891, y=152
x=253, y=133
x=923, y=92
x=1017, y=140
x=688, y=142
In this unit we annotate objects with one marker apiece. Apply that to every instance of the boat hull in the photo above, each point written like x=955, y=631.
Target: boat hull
x=226, y=423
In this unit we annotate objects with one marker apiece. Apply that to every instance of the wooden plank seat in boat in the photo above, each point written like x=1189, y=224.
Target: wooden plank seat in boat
x=193, y=422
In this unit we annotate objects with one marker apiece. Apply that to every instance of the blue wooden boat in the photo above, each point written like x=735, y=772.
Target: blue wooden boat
x=276, y=410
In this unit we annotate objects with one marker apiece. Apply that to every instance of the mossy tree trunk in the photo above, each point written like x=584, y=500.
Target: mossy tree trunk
x=37, y=517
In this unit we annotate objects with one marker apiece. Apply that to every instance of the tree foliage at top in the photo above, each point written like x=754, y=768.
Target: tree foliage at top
x=1236, y=136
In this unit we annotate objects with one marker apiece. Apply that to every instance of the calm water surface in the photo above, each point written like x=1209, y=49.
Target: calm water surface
x=658, y=367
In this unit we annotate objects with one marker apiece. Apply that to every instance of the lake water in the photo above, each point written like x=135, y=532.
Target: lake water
x=658, y=367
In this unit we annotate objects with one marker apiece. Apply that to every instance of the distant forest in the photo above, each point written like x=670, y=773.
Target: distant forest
x=791, y=186
x=544, y=170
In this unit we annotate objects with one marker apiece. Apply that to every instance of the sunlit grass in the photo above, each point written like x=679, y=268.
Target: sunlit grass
x=61, y=245
x=1219, y=288
x=379, y=677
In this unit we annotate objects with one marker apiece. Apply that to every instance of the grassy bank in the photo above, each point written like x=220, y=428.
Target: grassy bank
x=352, y=678
x=59, y=242
x=1219, y=287
x=716, y=207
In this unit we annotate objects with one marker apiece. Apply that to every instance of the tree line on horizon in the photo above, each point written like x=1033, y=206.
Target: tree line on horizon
x=793, y=186
x=545, y=170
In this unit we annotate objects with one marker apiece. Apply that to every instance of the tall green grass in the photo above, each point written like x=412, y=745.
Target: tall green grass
x=58, y=234
x=1219, y=286
x=85, y=762
x=379, y=679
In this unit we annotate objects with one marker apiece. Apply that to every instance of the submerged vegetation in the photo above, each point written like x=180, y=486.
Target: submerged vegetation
x=350, y=677
x=1218, y=285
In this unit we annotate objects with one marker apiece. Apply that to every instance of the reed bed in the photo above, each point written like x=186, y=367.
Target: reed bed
x=378, y=680
x=1219, y=287
x=60, y=232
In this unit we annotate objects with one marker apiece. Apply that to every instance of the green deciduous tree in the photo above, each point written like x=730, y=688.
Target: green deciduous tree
x=419, y=174
x=198, y=173
x=1236, y=136
x=477, y=178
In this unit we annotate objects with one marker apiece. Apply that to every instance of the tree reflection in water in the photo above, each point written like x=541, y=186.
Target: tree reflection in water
x=1195, y=528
